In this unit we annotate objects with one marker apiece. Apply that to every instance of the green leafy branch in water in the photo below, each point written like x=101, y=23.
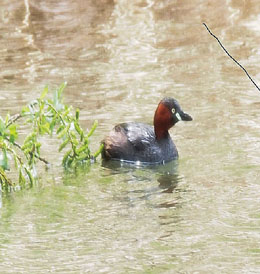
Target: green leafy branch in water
x=50, y=117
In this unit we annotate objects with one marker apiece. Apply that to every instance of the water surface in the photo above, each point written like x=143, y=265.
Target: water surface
x=119, y=59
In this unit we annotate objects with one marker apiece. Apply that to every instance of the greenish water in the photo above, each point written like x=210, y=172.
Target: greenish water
x=120, y=58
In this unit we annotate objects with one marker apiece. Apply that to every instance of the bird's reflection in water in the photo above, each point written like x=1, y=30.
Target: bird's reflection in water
x=140, y=179
x=168, y=182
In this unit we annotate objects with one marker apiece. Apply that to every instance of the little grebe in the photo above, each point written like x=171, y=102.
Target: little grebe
x=138, y=142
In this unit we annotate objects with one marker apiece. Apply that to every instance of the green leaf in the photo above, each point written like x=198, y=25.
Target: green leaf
x=37, y=147
x=27, y=146
x=86, y=140
x=77, y=114
x=45, y=128
x=82, y=148
x=30, y=138
x=61, y=88
x=2, y=126
x=77, y=127
x=25, y=110
x=7, y=118
x=67, y=111
x=60, y=129
x=28, y=172
x=21, y=178
x=69, y=162
x=3, y=178
x=83, y=157
x=41, y=106
x=13, y=133
x=98, y=151
x=4, y=160
x=44, y=93
x=94, y=126
x=66, y=157
x=73, y=135
x=57, y=99
x=15, y=161
x=75, y=141
x=53, y=123
x=63, y=144
x=63, y=132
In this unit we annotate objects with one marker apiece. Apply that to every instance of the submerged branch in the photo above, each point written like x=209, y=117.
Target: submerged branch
x=231, y=57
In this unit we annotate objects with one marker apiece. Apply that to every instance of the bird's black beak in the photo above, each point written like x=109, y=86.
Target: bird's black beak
x=182, y=116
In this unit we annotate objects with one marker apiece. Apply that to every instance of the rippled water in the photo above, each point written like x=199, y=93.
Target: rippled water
x=200, y=215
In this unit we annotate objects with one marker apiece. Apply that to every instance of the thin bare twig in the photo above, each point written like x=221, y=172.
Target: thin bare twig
x=13, y=119
x=38, y=157
x=231, y=56
x=41, y=159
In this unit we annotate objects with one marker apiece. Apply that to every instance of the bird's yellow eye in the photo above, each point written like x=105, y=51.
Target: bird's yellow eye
x=173, y=110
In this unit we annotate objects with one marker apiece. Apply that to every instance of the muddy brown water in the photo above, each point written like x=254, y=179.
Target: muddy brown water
x=119, y=59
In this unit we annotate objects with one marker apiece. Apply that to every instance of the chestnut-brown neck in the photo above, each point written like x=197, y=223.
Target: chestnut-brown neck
x=162, y=121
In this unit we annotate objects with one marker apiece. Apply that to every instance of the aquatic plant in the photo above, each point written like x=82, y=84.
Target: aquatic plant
x=46, y=116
